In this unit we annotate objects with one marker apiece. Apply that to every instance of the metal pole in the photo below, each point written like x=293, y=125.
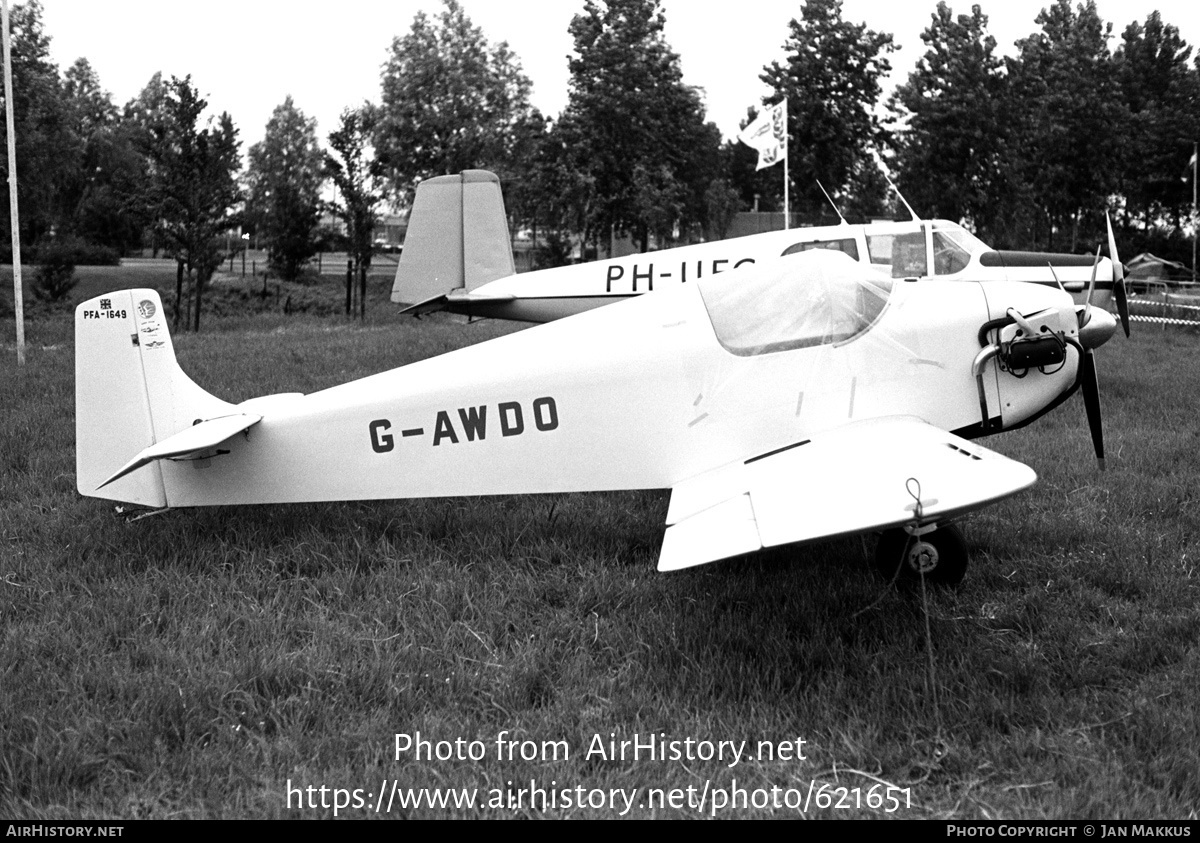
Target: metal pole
x=787, y=182
x=18, y=291
x=1195, y=222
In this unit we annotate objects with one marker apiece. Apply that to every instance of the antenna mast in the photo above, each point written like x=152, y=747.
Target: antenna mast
x=831, y=202
x=902, y=199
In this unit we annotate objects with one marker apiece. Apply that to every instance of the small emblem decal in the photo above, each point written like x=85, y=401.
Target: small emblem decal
x=146, y=308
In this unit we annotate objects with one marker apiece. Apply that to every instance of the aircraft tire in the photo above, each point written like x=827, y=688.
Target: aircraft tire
x=942, y=553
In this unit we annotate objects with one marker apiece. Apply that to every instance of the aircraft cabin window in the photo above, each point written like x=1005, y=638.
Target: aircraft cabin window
x=818, y=298
x=948, y=256
x=845, y=245
x=953, y=246
x=901, y=254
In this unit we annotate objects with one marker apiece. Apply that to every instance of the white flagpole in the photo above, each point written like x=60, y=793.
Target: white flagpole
x=1195, y=221
x=787, y=209
x=18, y=300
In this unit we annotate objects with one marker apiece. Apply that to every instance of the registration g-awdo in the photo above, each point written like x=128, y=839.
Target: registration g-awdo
x=472, y=422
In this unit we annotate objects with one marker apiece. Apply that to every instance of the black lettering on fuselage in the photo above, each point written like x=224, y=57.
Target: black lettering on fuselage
x=614, y=274
x=474, y=422
x=545, y=414
x=381, y=442
x=444, y=429
x=511, y=421
x=649, y=273
x=647, y=276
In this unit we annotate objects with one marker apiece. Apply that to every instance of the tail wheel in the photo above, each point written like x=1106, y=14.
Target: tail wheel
x=940, y=555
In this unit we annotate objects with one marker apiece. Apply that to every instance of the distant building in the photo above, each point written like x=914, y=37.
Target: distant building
x=1147, y=268
x=390, y=229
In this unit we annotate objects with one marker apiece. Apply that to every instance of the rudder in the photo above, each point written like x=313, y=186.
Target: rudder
x=457, y=237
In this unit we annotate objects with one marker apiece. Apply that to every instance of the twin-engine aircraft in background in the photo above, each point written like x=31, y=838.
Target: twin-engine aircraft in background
x=458, y=257
x=802, y=398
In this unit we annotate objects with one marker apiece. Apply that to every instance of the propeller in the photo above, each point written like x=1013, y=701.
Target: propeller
x=1087, y=303
x=1118, y=277
x=1095, y=328
x=1090, y=383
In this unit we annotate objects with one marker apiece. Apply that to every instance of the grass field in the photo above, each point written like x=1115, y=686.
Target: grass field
x=217, y=663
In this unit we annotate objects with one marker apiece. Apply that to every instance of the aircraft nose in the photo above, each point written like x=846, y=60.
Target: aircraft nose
x=1100, y=325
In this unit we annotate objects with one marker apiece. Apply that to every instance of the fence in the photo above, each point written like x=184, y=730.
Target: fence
x=1162, y=307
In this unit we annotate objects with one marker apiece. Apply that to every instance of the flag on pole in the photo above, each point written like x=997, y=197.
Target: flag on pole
x=768, y=134
x=1191, y=165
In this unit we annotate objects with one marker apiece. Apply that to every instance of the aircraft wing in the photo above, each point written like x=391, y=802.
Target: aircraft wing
x=864, y=476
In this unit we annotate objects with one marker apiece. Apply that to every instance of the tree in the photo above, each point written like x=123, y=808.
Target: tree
x=1064, y=108
x=356, y=173
x=721, y=205
x=48, y=150
x=868, y=196
x=193, y=185
x=285, y=176
x=93, y=106
x=1162, y=93
x=520, y=172
x=554, y=195
x=139, y=118
x=831, y=80
x=634, y=128
x=953, y=135
x=103, y=196
x=449, y=101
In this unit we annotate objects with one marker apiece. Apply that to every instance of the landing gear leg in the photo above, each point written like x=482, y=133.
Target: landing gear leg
x=941, y=555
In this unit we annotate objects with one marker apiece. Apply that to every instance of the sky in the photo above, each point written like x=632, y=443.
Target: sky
x=247, y=57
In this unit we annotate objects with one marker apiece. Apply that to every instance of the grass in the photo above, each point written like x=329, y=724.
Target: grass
x=200, y=663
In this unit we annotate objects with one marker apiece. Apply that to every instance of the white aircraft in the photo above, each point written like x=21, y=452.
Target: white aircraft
x=805, y=398
x=458, y=257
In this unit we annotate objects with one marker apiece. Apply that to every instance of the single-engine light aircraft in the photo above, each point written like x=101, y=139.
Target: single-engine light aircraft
x=803, y=398
x=458, y=257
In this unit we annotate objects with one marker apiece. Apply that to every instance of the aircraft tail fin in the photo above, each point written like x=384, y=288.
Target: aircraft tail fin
x=130, y=394
x=457, y=238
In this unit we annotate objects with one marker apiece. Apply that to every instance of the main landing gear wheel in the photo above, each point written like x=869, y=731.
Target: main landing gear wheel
x=941, y=555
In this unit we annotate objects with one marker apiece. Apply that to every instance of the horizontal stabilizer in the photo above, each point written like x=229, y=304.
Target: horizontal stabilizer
x=865, y=476
x=457, y=301
x=430, y=305
x=190, y=443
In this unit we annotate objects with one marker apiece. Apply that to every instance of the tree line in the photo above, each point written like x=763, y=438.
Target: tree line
x=1028, y=150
